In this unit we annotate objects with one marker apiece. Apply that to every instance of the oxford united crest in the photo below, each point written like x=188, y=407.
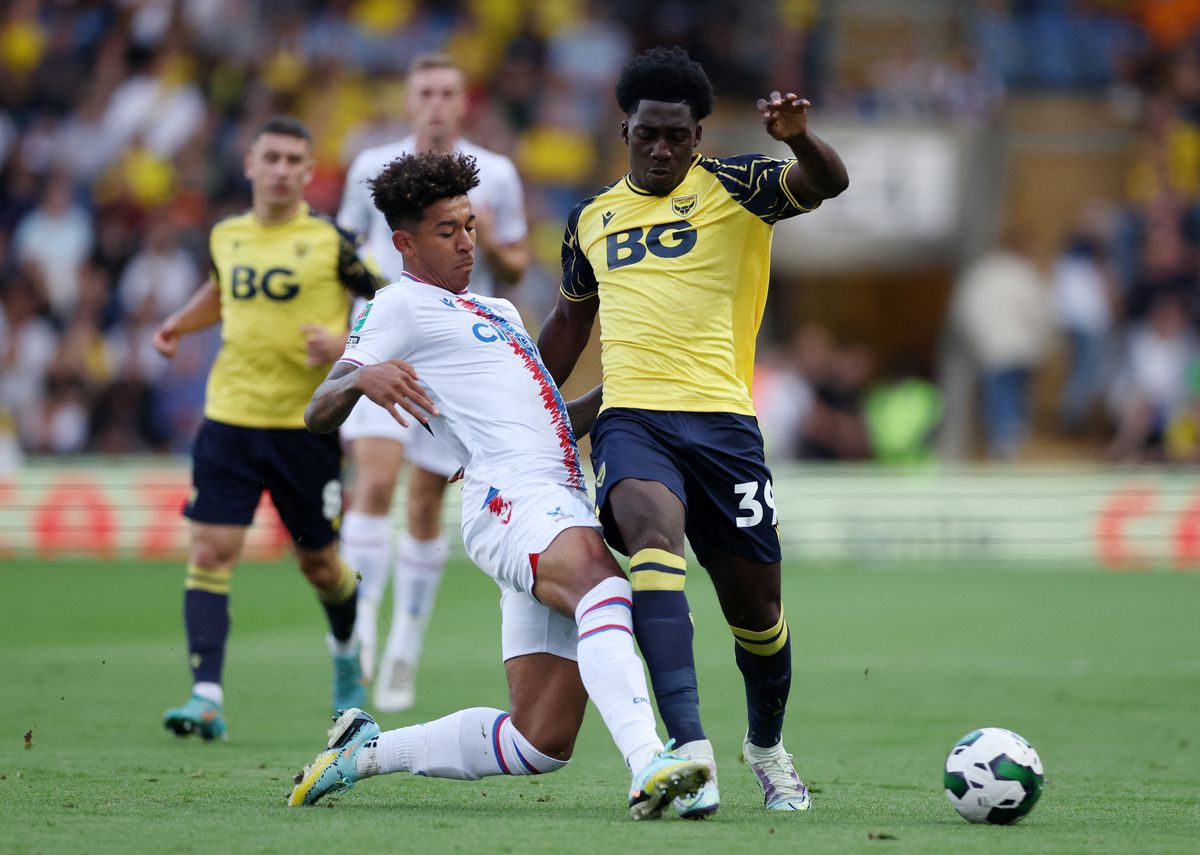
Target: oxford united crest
x=683, y=205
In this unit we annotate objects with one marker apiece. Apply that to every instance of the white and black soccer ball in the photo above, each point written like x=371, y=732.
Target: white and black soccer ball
x=993, y=775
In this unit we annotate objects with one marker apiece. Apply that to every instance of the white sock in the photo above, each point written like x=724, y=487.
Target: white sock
x=757, y=753
x=419, y=566
x=611, y=671
x=341, y=648
x=466, y=745
x=210, y=692
x=366, y=547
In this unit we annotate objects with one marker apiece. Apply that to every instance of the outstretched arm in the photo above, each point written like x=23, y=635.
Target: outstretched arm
x=565, y=334
x=819, y=172
x=203, y=310
x=389, y=384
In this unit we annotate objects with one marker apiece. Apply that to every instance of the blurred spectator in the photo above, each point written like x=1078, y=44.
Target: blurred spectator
x=1151, y=387
x=27, y=348
x=1084, y=296
x=1002, y=310
x=55, y=239
x=783, y=400
x=834, y=428
x=159, y=278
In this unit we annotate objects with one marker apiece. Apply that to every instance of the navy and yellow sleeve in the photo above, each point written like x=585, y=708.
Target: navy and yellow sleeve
x=578, y=279
x=758, y=183
x=354, y=273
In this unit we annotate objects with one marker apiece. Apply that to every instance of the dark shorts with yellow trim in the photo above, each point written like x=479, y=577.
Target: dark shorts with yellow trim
x=712, y=461
x=232, y=465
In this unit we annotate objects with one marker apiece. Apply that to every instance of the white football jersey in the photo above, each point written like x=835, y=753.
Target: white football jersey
x=500, y=411
x=498, y=192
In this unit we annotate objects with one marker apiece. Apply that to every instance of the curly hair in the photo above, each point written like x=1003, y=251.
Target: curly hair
x=412, y=182
x=665, y=74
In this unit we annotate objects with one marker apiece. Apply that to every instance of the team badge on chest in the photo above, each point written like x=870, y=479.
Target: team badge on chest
x=683, y=205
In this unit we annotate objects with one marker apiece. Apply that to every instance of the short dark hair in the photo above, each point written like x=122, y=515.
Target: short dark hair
x=665, y=74
x=412, y=182
x=288, y=126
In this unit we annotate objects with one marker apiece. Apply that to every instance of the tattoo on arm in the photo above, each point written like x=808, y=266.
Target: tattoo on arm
x=333, y=400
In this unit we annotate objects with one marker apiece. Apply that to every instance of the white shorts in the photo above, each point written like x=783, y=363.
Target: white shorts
x=501, y=532
x=368, y=420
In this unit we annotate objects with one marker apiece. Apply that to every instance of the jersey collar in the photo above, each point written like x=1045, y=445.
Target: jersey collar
x=301, y=212
x=406, y=275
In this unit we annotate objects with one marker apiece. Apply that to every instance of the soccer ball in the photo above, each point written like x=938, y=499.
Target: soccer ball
x=993, y=775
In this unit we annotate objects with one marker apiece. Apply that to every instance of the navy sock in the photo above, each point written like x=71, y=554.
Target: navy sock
x=765, y=660
x=662, y=625
x=206, y=618
x=341, y=617
x=341, y=603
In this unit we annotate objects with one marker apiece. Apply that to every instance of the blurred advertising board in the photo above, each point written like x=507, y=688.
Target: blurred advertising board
x=1122, y=520
x=1119, y=519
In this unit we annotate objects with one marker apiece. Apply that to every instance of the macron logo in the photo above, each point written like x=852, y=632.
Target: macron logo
x=605, y=217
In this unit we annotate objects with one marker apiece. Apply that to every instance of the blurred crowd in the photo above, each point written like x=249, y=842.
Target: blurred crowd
x=1110, y=326
x=123, y=122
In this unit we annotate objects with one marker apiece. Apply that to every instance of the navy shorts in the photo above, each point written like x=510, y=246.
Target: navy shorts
x=712, y=461
x=232, y=465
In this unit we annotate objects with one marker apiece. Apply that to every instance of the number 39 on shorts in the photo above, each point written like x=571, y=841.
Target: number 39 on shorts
x=750, y=509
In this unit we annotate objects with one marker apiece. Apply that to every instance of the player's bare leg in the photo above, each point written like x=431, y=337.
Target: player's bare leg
x=576, y=575
x=366, y=533
x=420, y=562
x=749, y=593
x=212, y=554
x=337, y=589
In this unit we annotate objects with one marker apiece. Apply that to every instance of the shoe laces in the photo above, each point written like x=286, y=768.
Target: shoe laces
x=782, y=772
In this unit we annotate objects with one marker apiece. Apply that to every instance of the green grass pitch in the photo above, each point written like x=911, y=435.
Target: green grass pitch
x=1100, y=671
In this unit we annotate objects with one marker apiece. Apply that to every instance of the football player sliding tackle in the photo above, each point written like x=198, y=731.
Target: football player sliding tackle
x=465, y=368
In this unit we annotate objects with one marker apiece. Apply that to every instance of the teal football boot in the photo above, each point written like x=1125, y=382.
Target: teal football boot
x=666, y=777
x=199, y=715
x=335, y=769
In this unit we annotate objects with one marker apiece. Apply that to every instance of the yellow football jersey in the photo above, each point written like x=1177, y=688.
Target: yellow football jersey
x=275, y=278
x=682, y=281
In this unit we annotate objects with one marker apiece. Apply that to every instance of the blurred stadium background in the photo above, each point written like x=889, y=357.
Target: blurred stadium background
x=986, y=348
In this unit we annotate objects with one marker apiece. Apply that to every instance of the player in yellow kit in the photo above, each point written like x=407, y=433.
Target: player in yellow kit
x=281, y=284
x=675, y=258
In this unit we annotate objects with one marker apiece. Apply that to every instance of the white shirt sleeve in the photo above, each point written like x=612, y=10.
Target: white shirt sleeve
x=382, y=331
x=507, y=203
x=356, y=209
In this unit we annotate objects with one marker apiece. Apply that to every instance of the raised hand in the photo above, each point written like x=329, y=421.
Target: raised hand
x=785, y=116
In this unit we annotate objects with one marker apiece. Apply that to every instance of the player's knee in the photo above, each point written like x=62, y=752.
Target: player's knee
x=373, y=492
x=210, y=553
x=552, y=742
x=322, y=568
x=755, y=616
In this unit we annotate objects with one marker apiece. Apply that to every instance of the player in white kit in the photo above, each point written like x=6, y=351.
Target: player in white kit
x=468, y=372
x=379, y=445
